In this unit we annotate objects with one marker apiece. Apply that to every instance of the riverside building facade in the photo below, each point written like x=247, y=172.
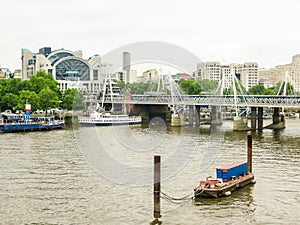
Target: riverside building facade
x=247, y=73
x=287, y=72
x=68, y=68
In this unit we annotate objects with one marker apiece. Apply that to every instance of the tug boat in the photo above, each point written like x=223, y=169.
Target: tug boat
x=229, y=178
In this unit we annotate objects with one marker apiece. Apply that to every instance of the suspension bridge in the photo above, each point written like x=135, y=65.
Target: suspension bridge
x=177, y=104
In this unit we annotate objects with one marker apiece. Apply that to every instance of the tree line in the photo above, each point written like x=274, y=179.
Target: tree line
x=41, y=91
x=205, y=86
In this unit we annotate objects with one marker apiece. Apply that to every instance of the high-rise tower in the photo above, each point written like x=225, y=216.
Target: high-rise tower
x=126, y=66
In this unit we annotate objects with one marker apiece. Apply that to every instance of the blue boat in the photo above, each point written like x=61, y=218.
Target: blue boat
x=22, y=123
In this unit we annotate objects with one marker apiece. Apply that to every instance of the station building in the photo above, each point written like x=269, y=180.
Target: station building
x=68, y=68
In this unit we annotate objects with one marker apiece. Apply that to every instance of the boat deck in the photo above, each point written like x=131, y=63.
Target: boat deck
x=224, y=188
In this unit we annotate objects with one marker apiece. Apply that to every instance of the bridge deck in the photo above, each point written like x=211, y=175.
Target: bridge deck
x=211, y=100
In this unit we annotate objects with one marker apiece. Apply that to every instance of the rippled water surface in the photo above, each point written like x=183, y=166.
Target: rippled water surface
x=104, y=175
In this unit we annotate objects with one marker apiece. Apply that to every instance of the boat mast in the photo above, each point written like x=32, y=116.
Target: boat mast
x=107, y=80
x=104, y=88
x=234, y=91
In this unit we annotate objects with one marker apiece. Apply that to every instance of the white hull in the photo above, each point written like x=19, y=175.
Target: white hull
x=106, y=119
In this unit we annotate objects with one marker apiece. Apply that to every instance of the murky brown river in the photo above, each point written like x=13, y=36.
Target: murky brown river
x=104, y=175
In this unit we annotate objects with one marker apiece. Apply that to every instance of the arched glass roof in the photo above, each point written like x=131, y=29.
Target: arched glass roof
x=72, y=68
x=59, y=54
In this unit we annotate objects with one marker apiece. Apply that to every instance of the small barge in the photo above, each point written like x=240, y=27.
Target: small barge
x=228, y=178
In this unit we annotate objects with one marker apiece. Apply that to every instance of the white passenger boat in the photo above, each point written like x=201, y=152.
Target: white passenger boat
x=108, y=119
x=100, y=117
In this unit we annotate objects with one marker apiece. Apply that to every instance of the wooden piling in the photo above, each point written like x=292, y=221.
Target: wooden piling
x=156, y=187
x=249, y=155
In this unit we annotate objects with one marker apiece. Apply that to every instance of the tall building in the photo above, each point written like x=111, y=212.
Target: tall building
x=226, y=75
x=269, y=77
x=149, y=75
x=278, y=74
x=126, y=66
x=247, y=73
x=68, y=68
x=209, y=70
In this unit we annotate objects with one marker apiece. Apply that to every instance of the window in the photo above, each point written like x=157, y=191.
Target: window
x=95, y=74
x=72, y=69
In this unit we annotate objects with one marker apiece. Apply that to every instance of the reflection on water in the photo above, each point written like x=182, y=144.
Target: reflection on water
x=45, y=179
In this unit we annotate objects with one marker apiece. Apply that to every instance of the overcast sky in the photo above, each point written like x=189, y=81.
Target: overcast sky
x=232, y=31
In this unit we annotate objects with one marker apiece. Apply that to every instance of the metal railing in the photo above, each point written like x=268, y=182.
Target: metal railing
x=212, y=100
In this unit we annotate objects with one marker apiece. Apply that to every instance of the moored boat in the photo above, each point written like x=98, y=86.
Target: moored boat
x=37, y=124
x=22, y=123
x=229, y=179
x=108, y=119
x=100, y=117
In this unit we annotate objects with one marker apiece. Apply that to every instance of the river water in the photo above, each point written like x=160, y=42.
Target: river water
x=104, y=175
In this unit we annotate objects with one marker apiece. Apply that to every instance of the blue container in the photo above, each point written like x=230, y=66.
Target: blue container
x=219, y=173
x=227, y=173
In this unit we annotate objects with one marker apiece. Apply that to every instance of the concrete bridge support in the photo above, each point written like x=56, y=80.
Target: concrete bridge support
x=240, y=124
x=260, y=117
x=197, y=115
x=192, y=115
x=278, y=120
x=215, y=115
x=177, y=120
x=253, y=118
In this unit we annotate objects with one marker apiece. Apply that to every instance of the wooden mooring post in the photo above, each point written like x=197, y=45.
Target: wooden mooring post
x=249, y=155
x=156, y=187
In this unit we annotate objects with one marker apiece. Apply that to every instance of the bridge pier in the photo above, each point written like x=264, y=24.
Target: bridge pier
x=197, y=115
x=191, y=115
x=260, y=117
x=278, y=120
x=215, y=115
x=194, y=115
x=253, y=118
x=177, y=120
x=240, y=124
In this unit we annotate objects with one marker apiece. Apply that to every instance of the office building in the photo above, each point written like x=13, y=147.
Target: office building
x=287, y=72
x=247, y=73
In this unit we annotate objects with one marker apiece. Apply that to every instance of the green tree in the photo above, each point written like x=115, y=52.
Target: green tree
x=10, y=85
x=9, y=101
x=141, y=88
x=208, y=86
x=228, y=91
x=280, y=88
x=72, y=99
x=270, y=91
x=28, y=96
x=44, y=74
x=257, y=90
x=190, y=87
x=48, y=99
x=36, y=84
